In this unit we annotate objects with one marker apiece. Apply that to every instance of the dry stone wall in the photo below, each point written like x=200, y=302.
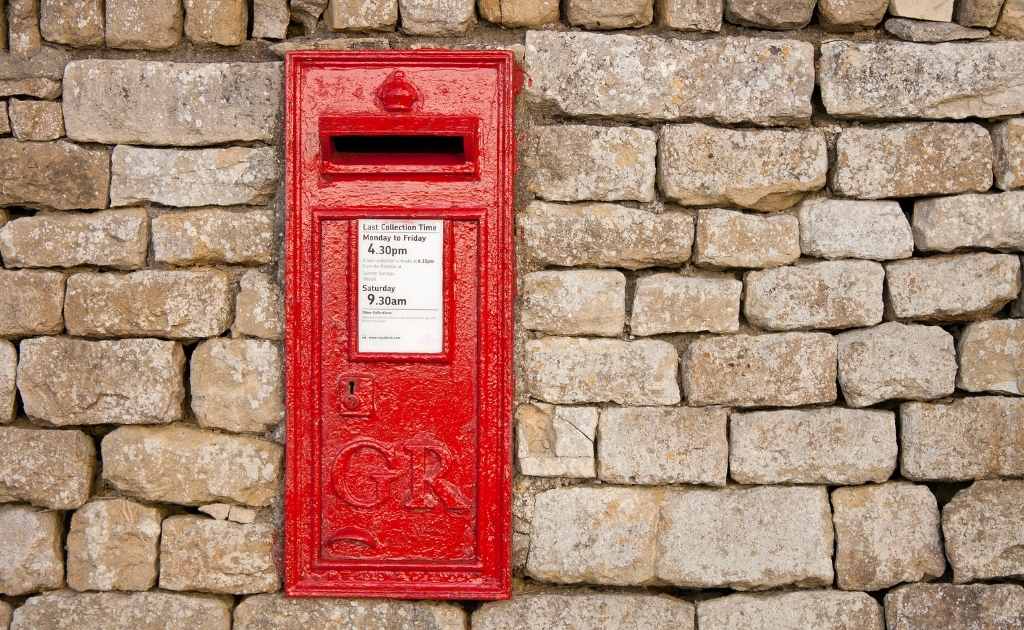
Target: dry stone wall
x=770, y=356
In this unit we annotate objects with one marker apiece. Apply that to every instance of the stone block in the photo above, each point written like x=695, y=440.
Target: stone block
x=851, y=15
x=519, y=13
x=799, y=610
x=66, y=381
x=1011, y=20
x=277, y=612
x=565, y=610
x=154, y=610
x=437, y=18
x=764, y=170
x=690, y=15
x=6, y=612
x=828, y=446
x=983, y=13
x=984, y=531
x=1008, y=140
x=602, y=15
x=8, y=371
x=604, y=235
x=31, y=558
x=653, y=445
x=574, y=302
x=259, y=307
x=47, y=468
x=951, y=288
x=212, y=236
x=935, y=10
x=671, y=302
x=941, y=606
x=727, y=239
x=221, y=22
x=110, y=238
x=843, y=228
x=362, y=15
x=556, y=441
x=5, y=121
x=270, y=19
x=307, y=13
x=931, y=32
x=32, y=303
x=729, y=80
x=144, y=24
x=77, y=23
x=24, y=39
x=776, y=15
x=237, y=385
x=38, y=76
x=27, y=172
x=783, y=370
x=112, y=546
x=203, y=554
x=721, y=538
x=946, y=224
x=992, y=357
x=36, y=121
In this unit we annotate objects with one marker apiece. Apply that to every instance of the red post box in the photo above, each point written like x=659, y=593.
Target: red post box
x=400, y=282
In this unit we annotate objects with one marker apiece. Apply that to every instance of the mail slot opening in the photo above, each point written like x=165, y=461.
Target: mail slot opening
x=398, y=149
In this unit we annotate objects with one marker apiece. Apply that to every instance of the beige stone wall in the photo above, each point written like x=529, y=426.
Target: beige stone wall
x=770, y=355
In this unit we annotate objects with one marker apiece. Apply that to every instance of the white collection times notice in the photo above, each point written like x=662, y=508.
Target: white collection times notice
x=401, y=278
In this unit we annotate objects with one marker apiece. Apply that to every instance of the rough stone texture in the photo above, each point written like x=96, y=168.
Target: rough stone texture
x=197, y=177
x=1011, y=20
x=653, y=445
x=147, y=462
x=36, y=121
x=1008, y=140
x=437, y=17
x=726, y=238
x=718, y=538
x=602, y=15
x=931, y=32
x=127, y=101
x=154, y=610
x=568, y=370
x=31, y=558
x=237, y=384
x=307, y=12
x=912, y=159
x=782, y=370
x=842, y=228
x=172, y=304
x=572, y=610
x=992, y=357
x=37, y=309
x=800, y=610
x=594, y=535
x=851, y=15
x=729, y=80
x=967, y=438
x=828, y=446
x=111, y=238
x=951, y=288
x=5, y=121
x=831, y=294
x=8, y=369
x=144, y=24
x=764, y=170
x=76, y=23
x=277, y=612
x=519, y=13
x=112, y=546
x=207, y=555
x=584, y=162
x=6, y=612
x=259, y=307
x=220, y=22
x=946, y=224
x=214, y=236
x=984, y=531
x=330, y=43
x=58, y=175
x=23, y=27
x=39, y=75
x=941, y=606
x=556, y=441
x=604, y=235
x=690, y=15
x=983, y=13
x=936, y=10
x=670, y=302
x=362, y=15
x=771, y=14
x=270, y=19
x=574, y=302
x=67, y=381
x=47, y=468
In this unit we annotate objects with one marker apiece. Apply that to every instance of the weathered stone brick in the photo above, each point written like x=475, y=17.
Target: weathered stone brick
x=1008, y=140
x=519, y=13
x=270, y=19
x=563, y=610
x=967, y=438
x=726, y=238
x=886, y=534
x=729, y=80
x=76, y=23
x=203, y=554
x=197, y=177
x=931, y=32
x=984, y=13
x=214, y=236
x=652, y=445
x=670, y=302
x=568, y=370
x=123, y=611
x=67, y=381
x=822, y=610
x=941, y=606
x=574, y=302
x=760, y=169
x=277, y=612
x=144, y=24
x=601, y=15
x=951, y=288
x=32, y=303
x=362, y=15
x=594, y=535
x=48, y=468
x=259, y=307
x=770, y=14
x=984, y=531
x=112, y=546
x=690, y=15
x=220, y=22
x=38, y=76
x=946, y=224
x=307, y=12
x=992, y=356
x=889, y=160
x=110, y=238
x=604, y=235
x=851, y=15
x=185, y=104
x=8, y=369
x=6, y=612
x=556, y=441
x=1011, y=20
x=783, y=370
x=5, y=121
x=27, y=172
x=36, y=121
x=31, y=558
x=843, y=228
x=172, y=304
x=329, y=43
x=190, y=466
x=437, y=17
x=237, y=384
x=937, y=10
x=718, y=538
x=23, y=27
x=828, y=446
x=831, y=294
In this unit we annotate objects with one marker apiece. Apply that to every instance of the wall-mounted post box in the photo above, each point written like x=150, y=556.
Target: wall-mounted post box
x=400, y=282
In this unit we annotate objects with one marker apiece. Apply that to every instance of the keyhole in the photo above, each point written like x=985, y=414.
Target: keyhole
x=351, y=388
x=351, y=401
